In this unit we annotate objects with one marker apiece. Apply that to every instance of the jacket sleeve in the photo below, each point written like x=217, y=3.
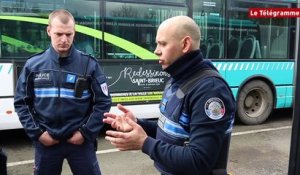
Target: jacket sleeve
x=207, y=131
x=101, y=103
x=150, y=126
x=23, y=102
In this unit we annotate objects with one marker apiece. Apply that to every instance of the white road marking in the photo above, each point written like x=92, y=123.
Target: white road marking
x=260, y=130
x=19, y=163
x=11, y=164
x=31, y=161
x=107, y=151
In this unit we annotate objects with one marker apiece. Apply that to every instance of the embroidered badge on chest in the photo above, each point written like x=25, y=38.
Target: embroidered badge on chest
x=42, y=76
x=214, y=108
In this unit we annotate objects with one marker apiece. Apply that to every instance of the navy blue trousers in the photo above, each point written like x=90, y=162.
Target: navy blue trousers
x=3, y=161
x=81, y=159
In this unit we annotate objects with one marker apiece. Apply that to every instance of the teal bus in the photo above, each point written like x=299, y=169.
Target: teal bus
x=255, y=55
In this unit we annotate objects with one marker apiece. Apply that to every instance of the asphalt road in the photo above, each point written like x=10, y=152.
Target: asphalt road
x=254, y=150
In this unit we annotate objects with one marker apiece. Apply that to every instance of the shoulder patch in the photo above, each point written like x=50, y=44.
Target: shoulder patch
x=104, y=89
x=214, y=108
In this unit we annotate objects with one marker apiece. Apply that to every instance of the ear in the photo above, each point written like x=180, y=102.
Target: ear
x=48, y=31
x=187, y=44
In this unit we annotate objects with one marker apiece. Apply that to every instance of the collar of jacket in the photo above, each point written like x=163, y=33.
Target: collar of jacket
x=185, y=64
x=56, y=58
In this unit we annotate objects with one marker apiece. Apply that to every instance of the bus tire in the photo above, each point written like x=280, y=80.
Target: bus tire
x=255, y=102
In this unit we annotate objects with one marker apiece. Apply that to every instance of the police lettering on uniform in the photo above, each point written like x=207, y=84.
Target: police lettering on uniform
x=61, y=96
x=192, y=134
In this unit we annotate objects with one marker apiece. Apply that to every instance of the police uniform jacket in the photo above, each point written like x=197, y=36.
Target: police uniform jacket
x=190, y=131
x=45, y=98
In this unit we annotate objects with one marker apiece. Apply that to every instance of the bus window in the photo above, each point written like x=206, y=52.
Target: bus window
x=87, y=13
x=210, y=17
x=24, y=38
x=249, y=33
x=137, y=24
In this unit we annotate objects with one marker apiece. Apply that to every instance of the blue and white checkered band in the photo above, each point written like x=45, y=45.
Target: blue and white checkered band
x=163, y=105
x=172, y=128
x=184, y=120
x=59, y=92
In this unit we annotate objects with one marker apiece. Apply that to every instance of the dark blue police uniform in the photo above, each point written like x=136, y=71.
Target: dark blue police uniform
x=3, y=162
x=45, y=101
x=191, y=129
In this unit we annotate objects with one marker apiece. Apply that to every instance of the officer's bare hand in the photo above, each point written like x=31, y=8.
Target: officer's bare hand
x=76, y=139
x=121, y=124
x=118, y=122
x=47, y=140
x=133, y=140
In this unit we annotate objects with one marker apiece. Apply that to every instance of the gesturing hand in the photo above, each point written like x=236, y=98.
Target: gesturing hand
x=132, y=140
x=118, y=122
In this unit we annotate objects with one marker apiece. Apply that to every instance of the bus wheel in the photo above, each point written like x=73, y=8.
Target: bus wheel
x=254, y=103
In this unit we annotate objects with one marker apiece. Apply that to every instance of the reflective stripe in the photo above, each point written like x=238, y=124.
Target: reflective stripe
x=184, y=119
x=163, y=105
x=229, y=130
x=171, y=127
x=53, y=92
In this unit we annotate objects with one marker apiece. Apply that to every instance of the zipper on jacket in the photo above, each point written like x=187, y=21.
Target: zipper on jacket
x=59, y=83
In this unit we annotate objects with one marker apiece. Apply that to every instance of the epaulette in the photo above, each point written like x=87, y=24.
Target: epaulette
x=36, y=54
x=88, y=55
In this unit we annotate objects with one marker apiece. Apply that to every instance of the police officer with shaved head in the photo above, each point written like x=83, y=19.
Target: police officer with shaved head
x=192, y=134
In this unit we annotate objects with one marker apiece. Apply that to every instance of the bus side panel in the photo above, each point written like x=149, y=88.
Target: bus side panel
x=6, y=79
x=8, y=117
x=281, y=96
x=289, y=96
x=280, y=73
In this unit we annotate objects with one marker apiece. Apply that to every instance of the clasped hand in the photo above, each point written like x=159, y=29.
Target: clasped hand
x=47, y=140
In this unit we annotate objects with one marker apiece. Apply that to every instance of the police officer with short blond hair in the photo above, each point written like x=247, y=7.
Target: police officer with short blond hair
x=60, y=99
